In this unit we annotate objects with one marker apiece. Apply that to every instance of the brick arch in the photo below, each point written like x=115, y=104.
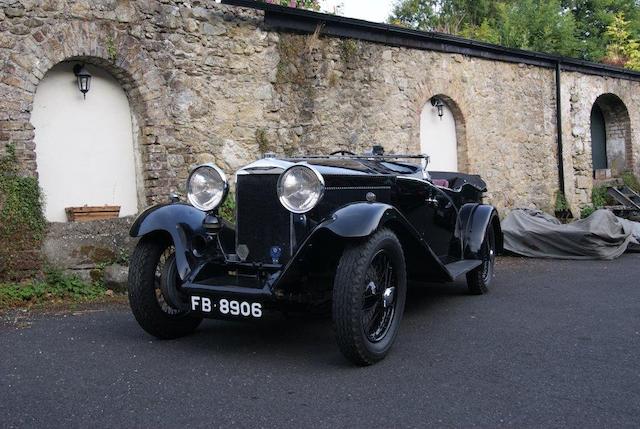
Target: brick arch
x=101, y=45
x=617, y=130
x=452, y=100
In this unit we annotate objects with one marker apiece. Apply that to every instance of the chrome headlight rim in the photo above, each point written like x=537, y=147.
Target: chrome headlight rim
x=225, y=189
x=284, y=201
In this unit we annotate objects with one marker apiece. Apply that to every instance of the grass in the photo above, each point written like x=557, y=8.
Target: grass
x=262, y=141
x=631, y=181
x=599, y=199
x=586, y=211
x=348, y=50
x=56, y=287
x=561, y=202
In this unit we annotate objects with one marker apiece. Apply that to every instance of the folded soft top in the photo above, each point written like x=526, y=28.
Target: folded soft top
x=457, y=180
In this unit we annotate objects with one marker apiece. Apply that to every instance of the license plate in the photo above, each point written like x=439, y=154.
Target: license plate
x=226, y=307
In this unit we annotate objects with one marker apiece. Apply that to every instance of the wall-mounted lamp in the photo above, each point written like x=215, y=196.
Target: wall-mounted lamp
x=84, y=78
x=438, y=104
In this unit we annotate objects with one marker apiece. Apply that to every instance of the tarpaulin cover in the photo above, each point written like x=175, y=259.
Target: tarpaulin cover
x=602, y=235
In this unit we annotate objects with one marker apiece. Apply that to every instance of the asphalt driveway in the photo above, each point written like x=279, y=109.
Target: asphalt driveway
x=555, y=344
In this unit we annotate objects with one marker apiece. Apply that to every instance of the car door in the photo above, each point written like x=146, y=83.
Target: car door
x=432, y=213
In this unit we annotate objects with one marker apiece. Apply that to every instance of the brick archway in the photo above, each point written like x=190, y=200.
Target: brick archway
x=617, y=130
x=102, y=45
x=460, y=123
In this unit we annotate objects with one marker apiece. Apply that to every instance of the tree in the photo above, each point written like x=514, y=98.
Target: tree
x=450, y=16
x=537, y=26
x=418, y=14
x=527, y=24
x=592, y=19
x=623, y=49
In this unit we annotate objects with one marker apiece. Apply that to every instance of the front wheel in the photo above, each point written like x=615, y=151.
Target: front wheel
x=369, y=294
x=153, y=285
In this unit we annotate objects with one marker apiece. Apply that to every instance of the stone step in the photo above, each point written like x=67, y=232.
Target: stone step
x=609, y=183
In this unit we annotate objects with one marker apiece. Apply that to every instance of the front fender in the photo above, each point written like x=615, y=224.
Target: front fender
x=359, y=219
x=181, y=221
x=474, y=221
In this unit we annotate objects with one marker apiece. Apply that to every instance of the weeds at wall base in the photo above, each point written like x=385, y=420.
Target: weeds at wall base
x=55, y=286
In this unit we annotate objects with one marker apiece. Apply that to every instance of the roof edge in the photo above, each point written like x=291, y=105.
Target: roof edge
x=306, y=21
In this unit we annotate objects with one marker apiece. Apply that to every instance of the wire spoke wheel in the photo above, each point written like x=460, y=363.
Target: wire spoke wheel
x=167, y=257
x=488, y=256
x=369, y=294
x=154, y=285
x=377, y=313
x=479, y=279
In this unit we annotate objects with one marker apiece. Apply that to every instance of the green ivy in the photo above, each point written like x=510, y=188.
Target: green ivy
x=20, y=199
x=22, y=222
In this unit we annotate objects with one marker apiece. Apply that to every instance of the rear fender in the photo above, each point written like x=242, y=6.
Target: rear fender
x=474, y=219
x=181, y=221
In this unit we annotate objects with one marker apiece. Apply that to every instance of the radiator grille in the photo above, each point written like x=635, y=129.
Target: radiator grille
x=261, y=221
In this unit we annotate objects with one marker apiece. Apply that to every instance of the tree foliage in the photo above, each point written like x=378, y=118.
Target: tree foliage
x=623, y=50
x=448, y=16
x=592, y=19
x=588, y=29
x=529, y=24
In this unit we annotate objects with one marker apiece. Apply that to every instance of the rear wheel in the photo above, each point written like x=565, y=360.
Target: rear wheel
x=479, y=279
x=154, y=290
x=369, y=295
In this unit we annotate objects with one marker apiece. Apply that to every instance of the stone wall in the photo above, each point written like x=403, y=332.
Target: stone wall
x=210, y=83
x=87, y=248
x=356, y=94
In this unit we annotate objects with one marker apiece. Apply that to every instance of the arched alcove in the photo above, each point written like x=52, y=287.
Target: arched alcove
x=610, y=135
x=85, y=149
x=442, y=134
x=124, y=58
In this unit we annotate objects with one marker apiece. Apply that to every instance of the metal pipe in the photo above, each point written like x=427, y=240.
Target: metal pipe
x=559, y=128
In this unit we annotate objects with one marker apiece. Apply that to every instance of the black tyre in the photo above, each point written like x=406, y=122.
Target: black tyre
x=479, y=279
x=369, y=294
x=152, y=268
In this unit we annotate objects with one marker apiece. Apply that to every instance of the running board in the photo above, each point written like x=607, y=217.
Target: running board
x=458, y=268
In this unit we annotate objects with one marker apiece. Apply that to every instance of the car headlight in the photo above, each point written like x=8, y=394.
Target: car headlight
x=207, y=187
x=300, y=188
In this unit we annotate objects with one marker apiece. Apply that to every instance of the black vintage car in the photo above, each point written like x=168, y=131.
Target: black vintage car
x=343, y=232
